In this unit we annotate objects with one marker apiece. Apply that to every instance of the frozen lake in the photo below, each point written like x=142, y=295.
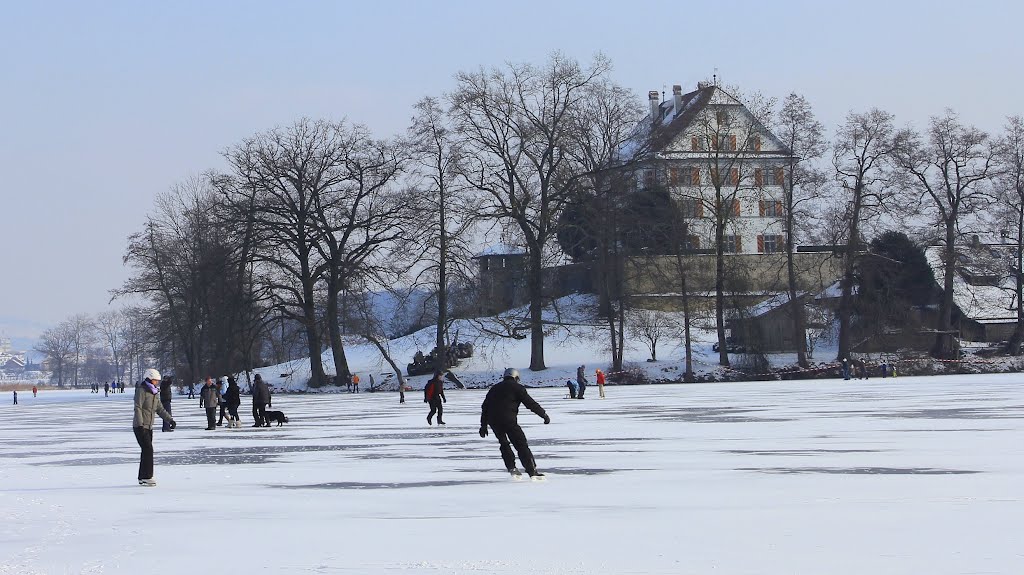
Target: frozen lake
x=908, y=475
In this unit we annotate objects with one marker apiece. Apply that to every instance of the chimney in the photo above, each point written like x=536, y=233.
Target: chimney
x=655, y=100
x=677, y=100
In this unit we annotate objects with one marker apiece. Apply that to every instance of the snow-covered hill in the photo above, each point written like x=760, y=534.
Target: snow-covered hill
x=577, y=339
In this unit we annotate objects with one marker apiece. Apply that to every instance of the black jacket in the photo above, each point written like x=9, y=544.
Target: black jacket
x=260, y=392
x=165, y=391
x=501, y=406
x=231, y=396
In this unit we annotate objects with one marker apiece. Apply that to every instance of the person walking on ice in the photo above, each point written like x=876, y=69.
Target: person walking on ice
x=599, y=376
x=209, y=396
x=433, y=393
x=147, y=404
x=166, y=393
x=232, y=399
x=260, y=400
x=581, y=381
x=500, y=411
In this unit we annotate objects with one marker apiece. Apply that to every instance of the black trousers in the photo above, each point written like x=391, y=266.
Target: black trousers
x=436, y=406
x=211, y=417
x=145, y=438
x=509, y=434
x=233, y=412
x=167, y=422
x=583, y=388
x=259, y=413
x=223, y=410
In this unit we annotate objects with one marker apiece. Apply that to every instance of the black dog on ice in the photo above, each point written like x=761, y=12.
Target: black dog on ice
x=277, y=416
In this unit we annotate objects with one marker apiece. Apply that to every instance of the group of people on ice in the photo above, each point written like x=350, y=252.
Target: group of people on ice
x=153, y=397
x=579, y=387
x=108, y=388
x=499, y=413
x=214, y=398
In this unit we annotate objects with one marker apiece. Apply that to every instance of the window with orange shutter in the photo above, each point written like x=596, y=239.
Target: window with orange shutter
x=673, y=176
x=758, y=177
x=695, y=176
x=780, y=177
x=732, y=142
x=695, y=143
x=735, y=207
x=760, y=244
x=734, y=176
x=760, y=208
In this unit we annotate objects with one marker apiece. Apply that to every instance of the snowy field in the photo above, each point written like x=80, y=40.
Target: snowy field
x=908, y=475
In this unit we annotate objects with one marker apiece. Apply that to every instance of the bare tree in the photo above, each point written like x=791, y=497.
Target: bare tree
x=184, y=259
x=281, y=176
x=83, y=334
x=802, y=134
x=948, y=166
x=729, y=131
x=1010, y=187
x=515, y=124
x=359, y=216
x=607, y=145
x=372, y=326
x=861, y=155
x=57, y=344
x=110, y=327
x=442, y=238
x=651, y=327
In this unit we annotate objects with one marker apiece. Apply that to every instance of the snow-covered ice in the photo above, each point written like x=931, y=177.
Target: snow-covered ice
x=907, y=475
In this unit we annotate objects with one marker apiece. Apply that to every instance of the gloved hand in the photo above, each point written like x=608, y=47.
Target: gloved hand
x=483, y=431
x=547, y=419
x=444, y=400
x=173, y=424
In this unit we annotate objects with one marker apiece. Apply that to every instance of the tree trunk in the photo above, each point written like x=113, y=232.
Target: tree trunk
x=847, y=281
x=441, y=358
x=799, y=322
x=723, y=354
x=316, y=362
x=944, y=348
x=334, y=332
x=1013, y=346
x=536, y=291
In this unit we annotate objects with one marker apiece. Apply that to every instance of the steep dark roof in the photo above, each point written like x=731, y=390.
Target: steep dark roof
x=666, y=128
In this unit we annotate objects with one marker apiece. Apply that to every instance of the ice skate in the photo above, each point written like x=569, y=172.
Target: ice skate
x=537, y=476
x=148, y=482
x=515, y=473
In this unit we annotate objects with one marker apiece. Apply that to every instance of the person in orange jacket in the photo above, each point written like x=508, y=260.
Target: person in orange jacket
x=600, y=382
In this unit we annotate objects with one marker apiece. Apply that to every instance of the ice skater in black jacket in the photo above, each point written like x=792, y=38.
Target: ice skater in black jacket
x=500, y=410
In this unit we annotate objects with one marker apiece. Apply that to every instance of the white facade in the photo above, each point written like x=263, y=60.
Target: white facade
x=709, y=131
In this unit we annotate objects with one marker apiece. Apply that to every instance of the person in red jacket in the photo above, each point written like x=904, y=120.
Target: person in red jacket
x=600, y=382
x=433, y=393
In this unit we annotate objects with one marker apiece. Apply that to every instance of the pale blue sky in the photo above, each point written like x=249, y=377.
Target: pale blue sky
x=105, y=104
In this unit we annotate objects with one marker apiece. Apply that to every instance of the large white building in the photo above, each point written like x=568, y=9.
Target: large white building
x=708, y=149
